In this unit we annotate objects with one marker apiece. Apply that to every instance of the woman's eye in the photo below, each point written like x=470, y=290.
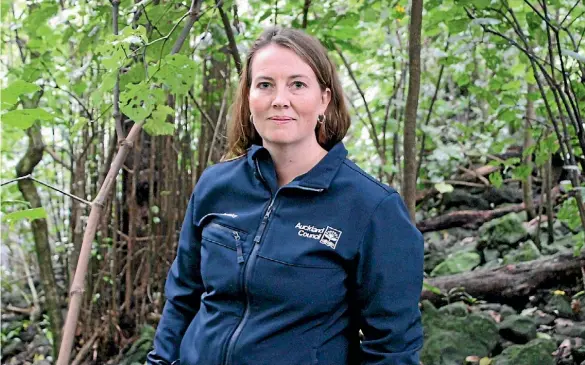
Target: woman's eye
x=263, y=85
x=299, y=85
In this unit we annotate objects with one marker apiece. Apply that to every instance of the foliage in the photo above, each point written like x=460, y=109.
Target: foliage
x=478, y=59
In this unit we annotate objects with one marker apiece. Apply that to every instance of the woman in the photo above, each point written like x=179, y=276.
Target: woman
x=290, y=249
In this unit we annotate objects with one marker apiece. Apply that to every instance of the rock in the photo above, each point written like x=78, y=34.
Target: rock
x=542, y=319
x=505, y=194
x=12, y=348
x=28, y=335
x=569, y=328
x=491, y=265
x=535, y=352
x=457, y=263
x=507, y=311
x=506, y=231
x=438, y=245
x=577, y=350
x=518, y=328
x=463, y=200
x=450, y=339
x=526, y=252
x=490, y=254
x=458, y=309
x=563, y=244
x=498, y=312
x=560, y=306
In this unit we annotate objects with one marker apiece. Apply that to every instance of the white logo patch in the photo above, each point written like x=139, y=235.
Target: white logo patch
x=328, y=236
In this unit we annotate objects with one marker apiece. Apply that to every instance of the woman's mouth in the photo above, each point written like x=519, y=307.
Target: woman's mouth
x=281, y=120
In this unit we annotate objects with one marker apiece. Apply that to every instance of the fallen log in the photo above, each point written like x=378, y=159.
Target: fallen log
x=511, y=284
x=466, y=218
x=473, y=219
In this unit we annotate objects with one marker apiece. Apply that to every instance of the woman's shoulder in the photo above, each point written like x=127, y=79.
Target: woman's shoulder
x=223, y=172
x=370, y=188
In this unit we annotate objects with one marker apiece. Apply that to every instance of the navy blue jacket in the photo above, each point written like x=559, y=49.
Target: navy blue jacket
x=288, y=276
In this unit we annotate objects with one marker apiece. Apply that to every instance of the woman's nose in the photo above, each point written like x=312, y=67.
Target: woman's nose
x=281, y=99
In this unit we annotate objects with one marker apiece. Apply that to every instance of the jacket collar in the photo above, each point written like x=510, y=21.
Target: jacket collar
x=319, y=177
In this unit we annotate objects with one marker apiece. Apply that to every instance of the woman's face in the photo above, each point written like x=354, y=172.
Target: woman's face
x=285, y=97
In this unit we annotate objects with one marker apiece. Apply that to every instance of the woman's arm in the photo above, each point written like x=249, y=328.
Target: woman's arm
x=389, y=283
x=183, y=290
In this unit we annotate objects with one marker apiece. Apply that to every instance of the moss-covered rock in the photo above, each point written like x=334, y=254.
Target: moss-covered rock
x=526, y=252
x=518, y=329
x=449, y=339
x=560, y=306
x=535, y=352
x=457, y=263
x=458, y=309
x=506, y=231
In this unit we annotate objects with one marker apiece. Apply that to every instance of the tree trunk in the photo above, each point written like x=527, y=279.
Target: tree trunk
x=511, y=284
x=528, y=142
x=25, y=166
x=409, y=178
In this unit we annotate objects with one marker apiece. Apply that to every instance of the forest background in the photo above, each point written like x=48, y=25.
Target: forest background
x=145, y=87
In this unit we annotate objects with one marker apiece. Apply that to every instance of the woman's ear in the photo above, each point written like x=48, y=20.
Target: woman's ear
x=325, y=99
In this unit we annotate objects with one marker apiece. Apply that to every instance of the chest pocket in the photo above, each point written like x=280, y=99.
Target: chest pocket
x=222, y=251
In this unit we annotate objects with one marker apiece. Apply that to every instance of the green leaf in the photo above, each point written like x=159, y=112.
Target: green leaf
x=513, y=85
x=78, y=125
x=30, y=214
x=11, y=93
x=457, y=25
x=496, y=179
x=25, y=118
x=157, y=125
x=522, y=172
x=508, y=115
x=139, y=100
x=178, y=73
x=481, y=4
x=443, y=187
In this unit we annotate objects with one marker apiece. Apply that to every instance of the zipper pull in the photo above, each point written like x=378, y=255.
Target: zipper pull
x=239, y=250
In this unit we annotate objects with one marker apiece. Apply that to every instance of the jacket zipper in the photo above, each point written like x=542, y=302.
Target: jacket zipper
x=247, y=272
x=249, y=265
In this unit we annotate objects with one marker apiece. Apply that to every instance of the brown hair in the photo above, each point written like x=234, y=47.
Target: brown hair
x=241, y=131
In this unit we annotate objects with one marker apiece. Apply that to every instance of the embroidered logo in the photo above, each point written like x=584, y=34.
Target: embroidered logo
x=328, y=236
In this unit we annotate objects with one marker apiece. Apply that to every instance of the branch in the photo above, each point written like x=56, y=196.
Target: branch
x=430, y=111
x=205, y=115
x=230, y=34
x=29, y=177
x=56, y=157
x=194, y=13
x=306, y=13
x=117, y=114
x=570, y=11
x=218, y=123
x=87, y=112
x=370, y=118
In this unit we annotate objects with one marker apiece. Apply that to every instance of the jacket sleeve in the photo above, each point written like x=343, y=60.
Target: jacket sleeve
x=183, y=290
x=389, y=283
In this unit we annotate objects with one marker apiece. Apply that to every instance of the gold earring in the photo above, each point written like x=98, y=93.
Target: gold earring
x=251, y=120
